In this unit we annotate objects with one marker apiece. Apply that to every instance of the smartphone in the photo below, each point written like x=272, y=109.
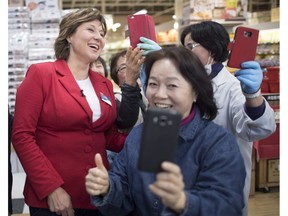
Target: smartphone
x=159, y=139
x=140, y=25
x=243, y=47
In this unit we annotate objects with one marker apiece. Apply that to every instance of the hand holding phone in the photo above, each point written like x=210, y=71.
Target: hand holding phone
x=159, y=139
x=243, y=47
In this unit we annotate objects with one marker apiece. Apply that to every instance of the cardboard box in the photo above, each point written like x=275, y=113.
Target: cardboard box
x=15, y=3
x=273, y=170
x=253, y=183
x=275, y=14
x=262, y=175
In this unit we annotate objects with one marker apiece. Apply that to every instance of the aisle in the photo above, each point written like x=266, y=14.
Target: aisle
x=265, y=204
x=17, y=193
x=261, y=204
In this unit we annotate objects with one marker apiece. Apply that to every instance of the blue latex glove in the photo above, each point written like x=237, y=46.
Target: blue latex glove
x=148, y=45
x=250, y=76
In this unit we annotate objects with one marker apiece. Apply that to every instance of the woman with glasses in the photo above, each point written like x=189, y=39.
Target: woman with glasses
x=125, y=78
x=120, y=73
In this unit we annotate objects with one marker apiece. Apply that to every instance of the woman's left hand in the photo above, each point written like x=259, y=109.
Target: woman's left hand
x=134, y=59
x=169, y=186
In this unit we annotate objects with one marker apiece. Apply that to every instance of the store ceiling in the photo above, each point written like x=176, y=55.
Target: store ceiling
x=161, y=10
x=124, y=7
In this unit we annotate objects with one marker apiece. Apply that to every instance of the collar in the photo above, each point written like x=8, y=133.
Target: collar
x=216, y=68
x=190, y=117
x=194, y=123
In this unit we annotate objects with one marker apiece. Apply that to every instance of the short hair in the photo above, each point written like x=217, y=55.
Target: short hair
x=192, y=70
x=211, y=35
x=68, y=26
x=113, y=65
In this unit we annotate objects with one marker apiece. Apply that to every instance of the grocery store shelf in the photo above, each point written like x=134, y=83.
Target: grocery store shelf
x=263, y=26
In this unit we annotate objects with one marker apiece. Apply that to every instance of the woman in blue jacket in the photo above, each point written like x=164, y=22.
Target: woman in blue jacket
x=208, y=175
x=242, y=109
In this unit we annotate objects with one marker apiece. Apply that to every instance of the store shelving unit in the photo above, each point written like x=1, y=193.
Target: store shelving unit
x=267, y=163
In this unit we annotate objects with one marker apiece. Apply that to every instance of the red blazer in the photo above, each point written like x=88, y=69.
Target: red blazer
x=53, y=133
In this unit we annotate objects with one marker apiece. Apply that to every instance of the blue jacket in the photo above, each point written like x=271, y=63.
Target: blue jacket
x=212, y=168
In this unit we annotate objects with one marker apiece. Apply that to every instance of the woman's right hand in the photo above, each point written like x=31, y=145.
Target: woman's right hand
x=59, y=201
x=97, y=179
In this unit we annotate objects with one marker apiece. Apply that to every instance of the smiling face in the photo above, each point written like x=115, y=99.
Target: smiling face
x=167, y=88
x=87, y=42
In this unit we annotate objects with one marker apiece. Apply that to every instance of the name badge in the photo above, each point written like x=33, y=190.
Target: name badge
x=105, y=99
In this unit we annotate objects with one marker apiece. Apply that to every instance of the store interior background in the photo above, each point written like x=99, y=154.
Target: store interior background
x=33, y=27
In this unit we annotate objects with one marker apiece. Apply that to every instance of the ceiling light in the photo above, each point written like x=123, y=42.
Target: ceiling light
x=143, y=11
x=176, y=25
x=115, y=26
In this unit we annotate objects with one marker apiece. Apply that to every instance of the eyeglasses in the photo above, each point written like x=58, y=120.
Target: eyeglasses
x=121, y=69
x=191, y=46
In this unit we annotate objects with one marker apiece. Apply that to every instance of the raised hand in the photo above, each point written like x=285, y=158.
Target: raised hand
x=134, y=58
x=97, y=179
x=148, y=45
x=250, y=76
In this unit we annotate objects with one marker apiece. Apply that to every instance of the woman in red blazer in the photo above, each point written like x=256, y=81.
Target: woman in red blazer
x=65, y=114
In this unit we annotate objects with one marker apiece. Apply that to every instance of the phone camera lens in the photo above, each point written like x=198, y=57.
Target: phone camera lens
x=247, y=34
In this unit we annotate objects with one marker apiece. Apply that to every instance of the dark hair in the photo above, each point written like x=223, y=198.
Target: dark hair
x=211, y=35
x=68, y=26
x=113, y=65
x=192, y=70
x=103, y=62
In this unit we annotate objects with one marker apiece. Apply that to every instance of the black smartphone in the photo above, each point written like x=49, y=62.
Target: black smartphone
x=159, y=138
x=243, y=47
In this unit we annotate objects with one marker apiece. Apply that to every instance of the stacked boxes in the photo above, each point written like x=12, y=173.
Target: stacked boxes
x=19, y=27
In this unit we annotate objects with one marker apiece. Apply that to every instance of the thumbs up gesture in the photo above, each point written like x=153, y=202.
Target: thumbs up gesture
x=97, y=179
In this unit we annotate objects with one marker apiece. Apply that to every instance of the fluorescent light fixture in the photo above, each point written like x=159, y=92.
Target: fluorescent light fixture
x=143, y=11
x=176, y=25
x=115, y=26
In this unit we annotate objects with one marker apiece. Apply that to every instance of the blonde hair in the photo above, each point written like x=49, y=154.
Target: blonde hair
x=68, y=26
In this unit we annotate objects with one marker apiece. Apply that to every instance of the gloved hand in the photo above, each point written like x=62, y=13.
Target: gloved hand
x=250, y=76
x=148, y=45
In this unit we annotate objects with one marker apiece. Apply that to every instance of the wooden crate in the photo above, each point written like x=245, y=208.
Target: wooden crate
x=262, y=172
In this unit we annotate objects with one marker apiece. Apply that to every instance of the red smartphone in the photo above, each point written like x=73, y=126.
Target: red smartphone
x=140, y=25
x=243, y=47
